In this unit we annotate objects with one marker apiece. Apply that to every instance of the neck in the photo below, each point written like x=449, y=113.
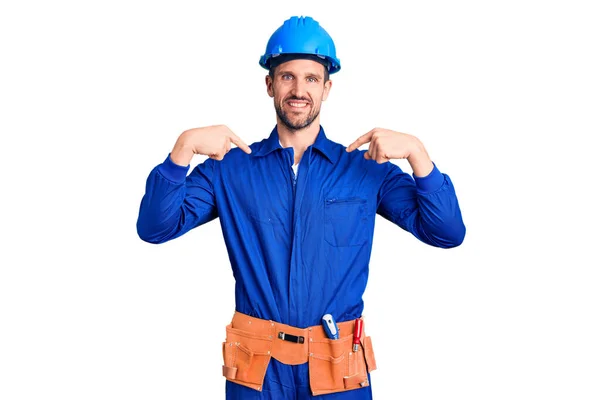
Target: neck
x=298, y=139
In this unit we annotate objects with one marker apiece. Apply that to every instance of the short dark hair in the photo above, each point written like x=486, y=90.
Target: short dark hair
x=276, y=61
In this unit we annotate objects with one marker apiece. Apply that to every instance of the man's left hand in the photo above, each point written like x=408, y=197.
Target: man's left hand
x=385, y=145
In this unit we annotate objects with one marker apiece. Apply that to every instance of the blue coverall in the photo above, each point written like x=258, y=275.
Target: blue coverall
x=299, y=248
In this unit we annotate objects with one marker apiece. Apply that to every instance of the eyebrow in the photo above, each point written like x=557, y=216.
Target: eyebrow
x=283, y=72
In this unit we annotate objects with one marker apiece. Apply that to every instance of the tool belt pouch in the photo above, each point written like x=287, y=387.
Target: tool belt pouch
x=246, y=357
x=334, y=367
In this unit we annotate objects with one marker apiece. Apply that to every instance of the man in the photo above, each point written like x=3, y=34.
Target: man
x=297, y=213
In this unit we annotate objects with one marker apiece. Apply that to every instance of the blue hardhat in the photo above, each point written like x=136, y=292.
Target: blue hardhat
x=305, y=37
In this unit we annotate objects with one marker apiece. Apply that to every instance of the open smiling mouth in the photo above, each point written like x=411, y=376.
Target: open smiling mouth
x=297, y=105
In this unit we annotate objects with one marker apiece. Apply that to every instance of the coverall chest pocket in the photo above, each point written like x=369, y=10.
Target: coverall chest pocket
x=345, y=219
x=266, y=225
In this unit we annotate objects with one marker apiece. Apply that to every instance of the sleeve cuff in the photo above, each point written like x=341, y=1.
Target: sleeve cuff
x=431, y=182
x=173, y=172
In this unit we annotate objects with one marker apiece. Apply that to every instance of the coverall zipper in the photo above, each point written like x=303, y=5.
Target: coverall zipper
x=350, y=200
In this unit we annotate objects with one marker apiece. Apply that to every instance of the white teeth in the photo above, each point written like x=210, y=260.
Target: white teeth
x=298, y=104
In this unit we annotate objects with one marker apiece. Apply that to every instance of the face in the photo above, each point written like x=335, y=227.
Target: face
x=298, y=87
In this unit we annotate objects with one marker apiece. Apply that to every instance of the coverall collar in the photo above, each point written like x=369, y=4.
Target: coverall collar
x=324, y=146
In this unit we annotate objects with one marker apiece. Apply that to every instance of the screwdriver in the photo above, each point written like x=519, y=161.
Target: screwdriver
x=330, y=326
x=358, y=331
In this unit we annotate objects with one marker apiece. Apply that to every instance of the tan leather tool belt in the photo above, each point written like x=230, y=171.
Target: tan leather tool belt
x=333, y=367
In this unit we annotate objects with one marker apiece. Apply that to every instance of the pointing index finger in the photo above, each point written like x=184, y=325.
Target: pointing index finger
x=360, y=141
x=240, y=143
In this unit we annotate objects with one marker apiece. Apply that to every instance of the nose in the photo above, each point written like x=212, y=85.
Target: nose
x=299, y=88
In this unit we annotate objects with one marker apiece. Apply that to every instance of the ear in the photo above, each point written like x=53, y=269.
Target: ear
x=269, y=83
x=327, y=89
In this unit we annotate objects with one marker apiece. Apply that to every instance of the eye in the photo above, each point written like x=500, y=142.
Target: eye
x=287, y=77
x=312, y=79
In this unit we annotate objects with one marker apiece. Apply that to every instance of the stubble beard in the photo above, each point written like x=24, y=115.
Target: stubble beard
x=283, y=117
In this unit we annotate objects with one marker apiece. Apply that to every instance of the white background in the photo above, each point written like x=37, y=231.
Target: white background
x=505, y=96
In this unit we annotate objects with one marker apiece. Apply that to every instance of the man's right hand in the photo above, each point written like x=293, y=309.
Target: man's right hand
x=213, y=141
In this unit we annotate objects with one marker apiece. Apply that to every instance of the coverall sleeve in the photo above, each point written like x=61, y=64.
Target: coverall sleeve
x=173, y=204
x=427, y=206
